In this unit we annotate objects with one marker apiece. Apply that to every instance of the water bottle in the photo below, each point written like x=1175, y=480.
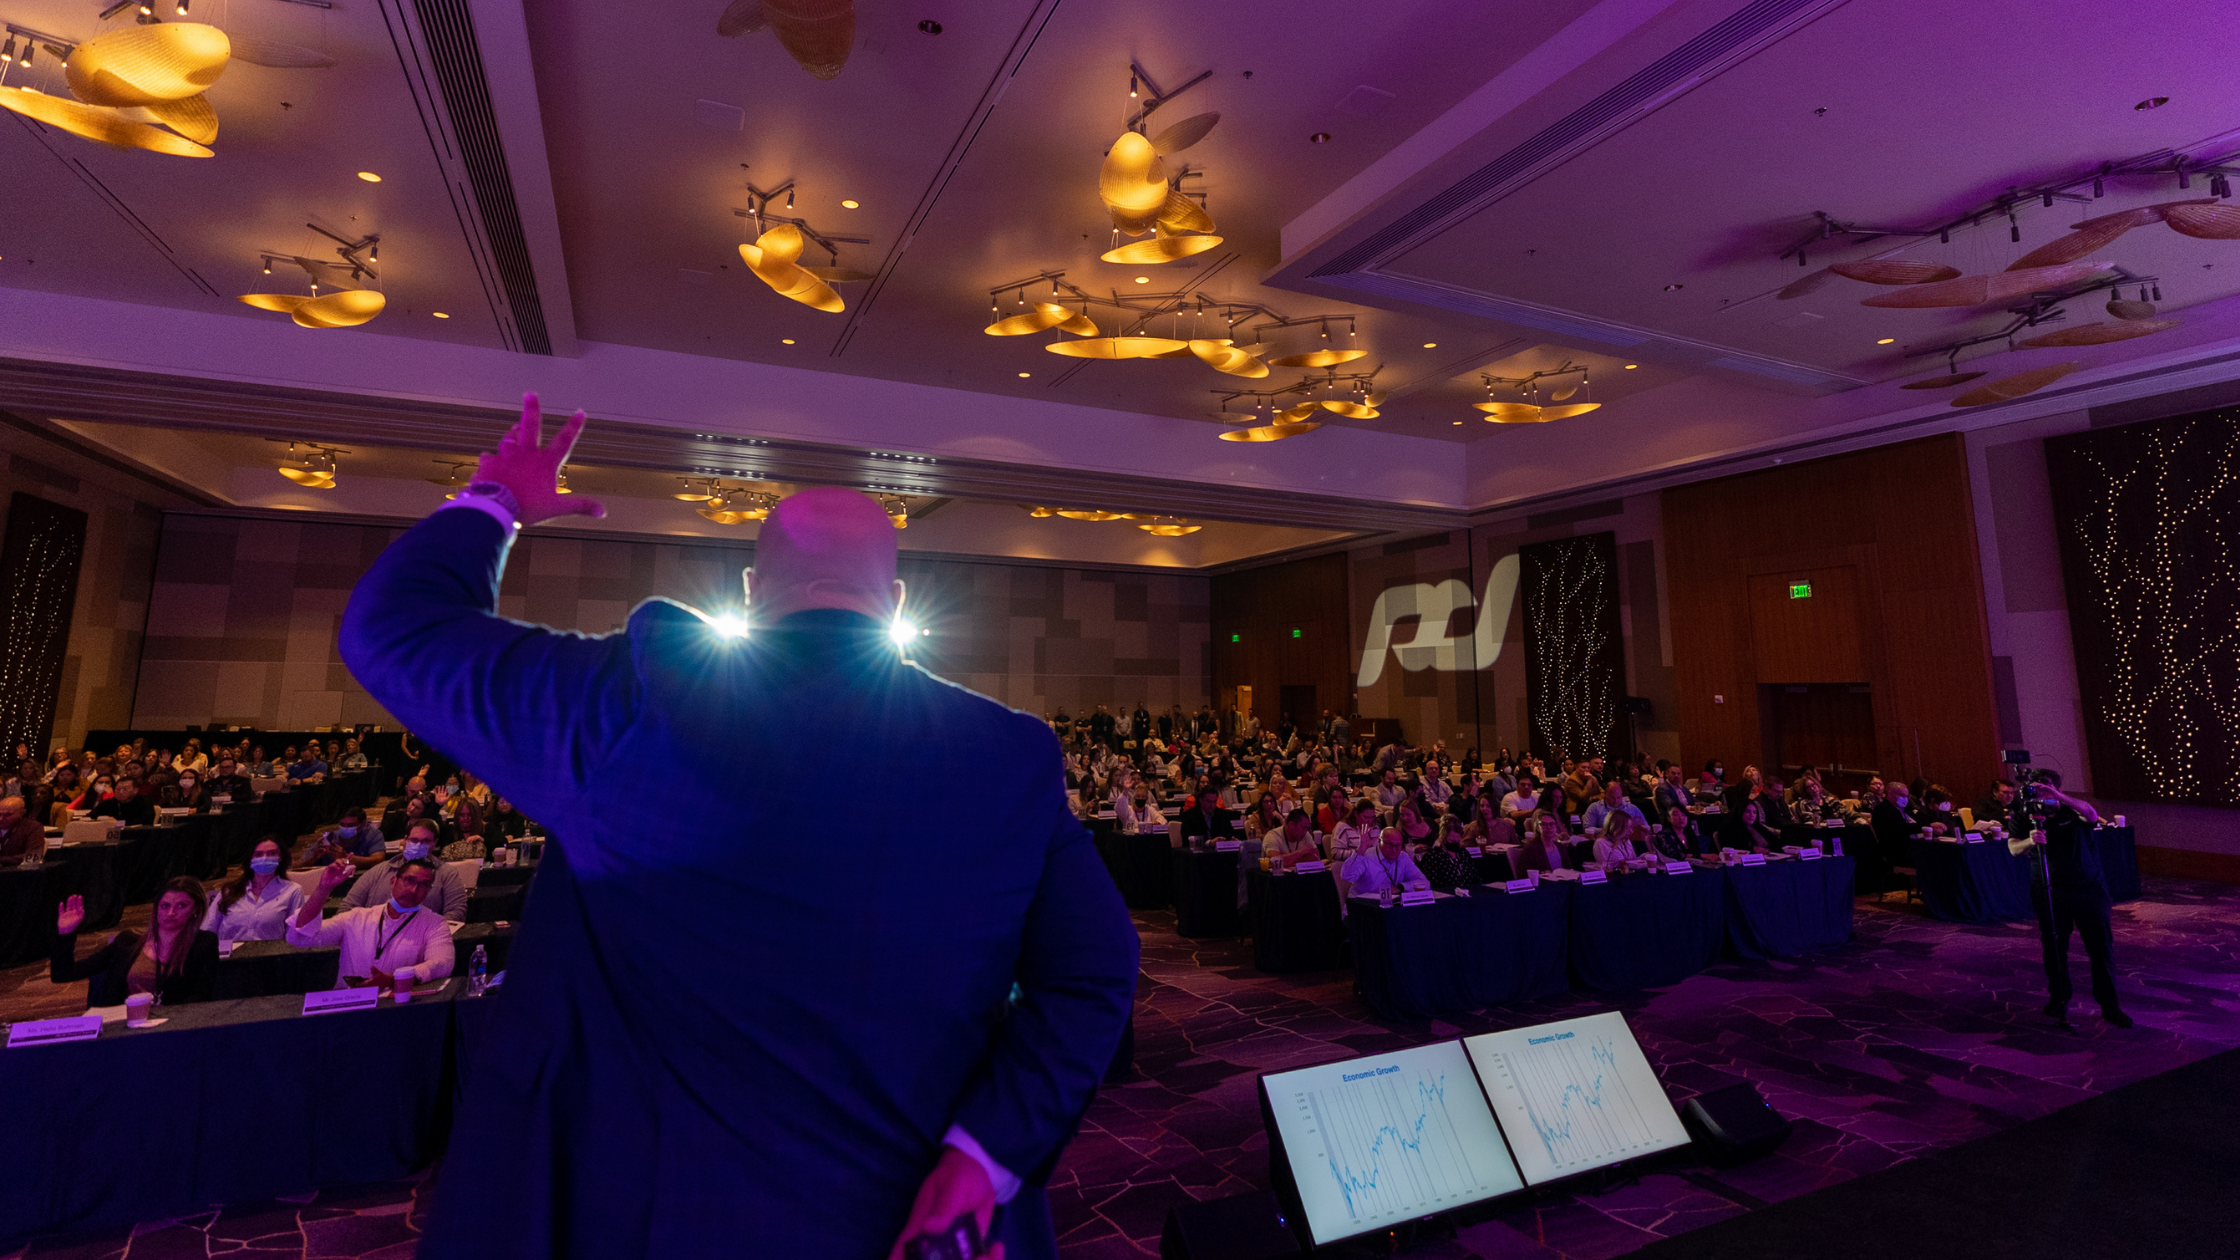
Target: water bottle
x=477, y=966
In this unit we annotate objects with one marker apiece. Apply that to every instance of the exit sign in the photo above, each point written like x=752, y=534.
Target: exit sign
x=1294, y=632
x=1800, y=590
x=1236, y=638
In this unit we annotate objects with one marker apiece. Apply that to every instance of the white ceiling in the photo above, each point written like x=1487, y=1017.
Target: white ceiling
x=974, y=153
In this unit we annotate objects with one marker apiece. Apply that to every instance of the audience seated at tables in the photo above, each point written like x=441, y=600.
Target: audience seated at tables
x=1997, y=806
x=102, y=787
x=1387, y=865
x=1413, y=823
x=1624, y=838
x=191, y=758
x=1447, y=865
x=175, y=960
x=1582, y=786
x=1389, y=791
x=1747, y=827
x=1671, y=793
x=1936, y=815
x=1357, y=832
x=1712, y=786
x=1809, y=803
x=22, y=838
x=351, y=758
x=187, y=793
x=127, y=806
x=230, y=783
x=450, y=883
x=467, y=825
x=63, y=781
x=1613, y=802
x=260, y=766
x=1204, y=821
x=352, y=837
x=1542, y=836
x=1684, y=832
x=1433, y=787
x=258, y=905
x=399, y=939
x=307, y=768
x=1292, y=843
x=1266, y=817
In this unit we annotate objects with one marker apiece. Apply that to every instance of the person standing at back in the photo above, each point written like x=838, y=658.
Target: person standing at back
x=713, y=1041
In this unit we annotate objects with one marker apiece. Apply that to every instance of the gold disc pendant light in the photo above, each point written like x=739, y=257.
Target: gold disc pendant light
x=345, y=309
x=1116, y=347
x=773, y=258
x=1318, y=358
x=1269, y=432
x=148, y=65
x=1045, y=315
x=97, y=122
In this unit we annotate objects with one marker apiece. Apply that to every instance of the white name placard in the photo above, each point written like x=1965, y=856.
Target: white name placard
x=1812, y=854
x=1520, y=885
x=1418, y=897
x=1677, y=868
x=1227, y=846
x=1752, y=859
x=363, y=998
x=1304, y=867
x=1594, y=877
x=47, y=1032
x=1474, y=851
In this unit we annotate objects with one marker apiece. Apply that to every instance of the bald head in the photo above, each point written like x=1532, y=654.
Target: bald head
x=824, y=548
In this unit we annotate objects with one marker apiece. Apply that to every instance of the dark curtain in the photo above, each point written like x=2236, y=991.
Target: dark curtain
x=2149, y=520
x=1574, y=654
x=39, y=578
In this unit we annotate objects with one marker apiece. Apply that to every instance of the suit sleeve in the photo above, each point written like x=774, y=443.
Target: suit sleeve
x=530, y=709
x=1077, y=980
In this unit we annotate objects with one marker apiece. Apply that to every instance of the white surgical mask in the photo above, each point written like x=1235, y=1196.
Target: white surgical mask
x=414, y=849
x=264, y=865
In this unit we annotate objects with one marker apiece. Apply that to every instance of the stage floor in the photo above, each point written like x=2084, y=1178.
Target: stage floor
x=1917, y=1036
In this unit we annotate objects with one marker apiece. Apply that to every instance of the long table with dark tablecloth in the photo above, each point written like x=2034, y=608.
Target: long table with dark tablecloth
x=2118, y=851
x=1978, y=882
x=1295, y=921
x=1139, y=864
x=227, y=1102
x=1783, y=909
x=270, y=968
x=1205, y=893
x=1640, y=931
x=1460, y=953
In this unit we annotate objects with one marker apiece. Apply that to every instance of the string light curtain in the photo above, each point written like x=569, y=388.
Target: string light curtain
x=1574, y=653
x=39, y=563
x=2149, y=522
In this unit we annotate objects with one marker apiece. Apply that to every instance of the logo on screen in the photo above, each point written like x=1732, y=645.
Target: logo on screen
x=1431, y=647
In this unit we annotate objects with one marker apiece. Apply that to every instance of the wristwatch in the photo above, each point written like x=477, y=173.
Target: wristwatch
x=496, y=493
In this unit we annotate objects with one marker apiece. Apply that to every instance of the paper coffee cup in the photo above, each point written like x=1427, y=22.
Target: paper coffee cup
x=136, y=1009
x=2119, y=820
x=401, y=990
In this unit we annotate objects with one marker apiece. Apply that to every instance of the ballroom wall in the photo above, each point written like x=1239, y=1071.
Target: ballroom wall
x=124, y=514
x=243, y=614
x=1890, y=533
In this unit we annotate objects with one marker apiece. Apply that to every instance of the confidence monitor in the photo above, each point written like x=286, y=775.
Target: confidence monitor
x=1575, y=1095
x=1370, y=1143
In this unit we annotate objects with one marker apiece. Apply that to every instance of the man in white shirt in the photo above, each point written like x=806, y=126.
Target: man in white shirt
x=1386, y=866
x=399, y=941
x=1518, y=805
x=1389, y=791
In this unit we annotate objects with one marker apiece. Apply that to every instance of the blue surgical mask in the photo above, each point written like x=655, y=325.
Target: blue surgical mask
x=264, y=865
x=394, y=908
x=346, y=831
x=414, y=849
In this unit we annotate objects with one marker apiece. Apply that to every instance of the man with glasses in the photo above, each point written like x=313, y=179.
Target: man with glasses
x=398, y=942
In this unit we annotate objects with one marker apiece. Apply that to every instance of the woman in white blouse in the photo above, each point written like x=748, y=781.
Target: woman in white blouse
x=257, y=906
x=1357, y=833
x=1622, y=840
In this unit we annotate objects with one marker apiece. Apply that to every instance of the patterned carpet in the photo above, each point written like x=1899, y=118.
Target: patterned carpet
x=1915, y=1036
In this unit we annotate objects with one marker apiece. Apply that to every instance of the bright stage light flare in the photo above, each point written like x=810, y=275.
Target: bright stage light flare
x=729, y=625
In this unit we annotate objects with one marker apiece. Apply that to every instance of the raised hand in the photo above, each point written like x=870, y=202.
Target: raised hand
x=529, y=467
x=70, y=915
x=332, y=876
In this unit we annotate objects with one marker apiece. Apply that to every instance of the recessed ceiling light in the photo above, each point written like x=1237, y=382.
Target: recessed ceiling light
x=369, y=177
x=1430, y=345
x=785, y=341
x=1025, y=375
x=2152, y=102
x=849, y=205
x=1631, y=366
x=1458, y=424
x=1320, y=137
x=1143, y=279
x=1670, y=287
x=1885, y=341
x=439, y=314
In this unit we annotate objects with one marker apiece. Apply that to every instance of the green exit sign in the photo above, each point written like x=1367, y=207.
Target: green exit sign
x=1800, y=590
x=1295, y=632
x=1236, y=638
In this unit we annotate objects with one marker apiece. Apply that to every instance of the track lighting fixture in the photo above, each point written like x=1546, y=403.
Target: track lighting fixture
x=2099, y=188
x=1131, y=83
x=2158, y=293
x=30, y=49
x=114, y=9
x=268, y=266
x=182, y=9
x=8, y=51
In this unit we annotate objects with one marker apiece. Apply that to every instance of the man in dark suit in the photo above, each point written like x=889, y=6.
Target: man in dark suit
x=1205, y=821
x=715, y=1041
x=1894, y=832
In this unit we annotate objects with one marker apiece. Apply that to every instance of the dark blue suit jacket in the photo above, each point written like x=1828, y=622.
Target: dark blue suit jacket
x=737, y=1019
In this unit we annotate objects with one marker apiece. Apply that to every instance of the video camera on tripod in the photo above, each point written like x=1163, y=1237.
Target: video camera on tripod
x=2038, y=808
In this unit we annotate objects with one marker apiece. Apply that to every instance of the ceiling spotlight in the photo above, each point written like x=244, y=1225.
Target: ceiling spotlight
x=182, y=8
x=30, y=49
x=369, y=177
x=1885, y=341
x=1143, y=279
x=785, y=341
x=562, y=486
x=1430, y=345
x=1320, y=137
x=439, y=315
x=1025, y=375
x=1631, y=366
x=268, y=266
x=2152, y=102
x=8, y=51
x=849, y=205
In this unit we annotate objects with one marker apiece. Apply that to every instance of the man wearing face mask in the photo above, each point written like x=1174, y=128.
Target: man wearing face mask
x=396, y=940
x=450, y=883
x=351, y=837
x=128, y=806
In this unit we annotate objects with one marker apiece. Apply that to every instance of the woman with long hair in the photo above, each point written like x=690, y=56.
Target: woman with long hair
x=176, y=961
x=258, y=905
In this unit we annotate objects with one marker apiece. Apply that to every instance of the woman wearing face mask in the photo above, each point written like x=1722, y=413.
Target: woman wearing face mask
x=176, y=960
x=102, y=789
x=257, y=906
x=188, y=794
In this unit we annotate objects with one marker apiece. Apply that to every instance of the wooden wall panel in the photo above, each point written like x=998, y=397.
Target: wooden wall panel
x=1811, y=640
x=1254, y=613
x=1901, y=517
